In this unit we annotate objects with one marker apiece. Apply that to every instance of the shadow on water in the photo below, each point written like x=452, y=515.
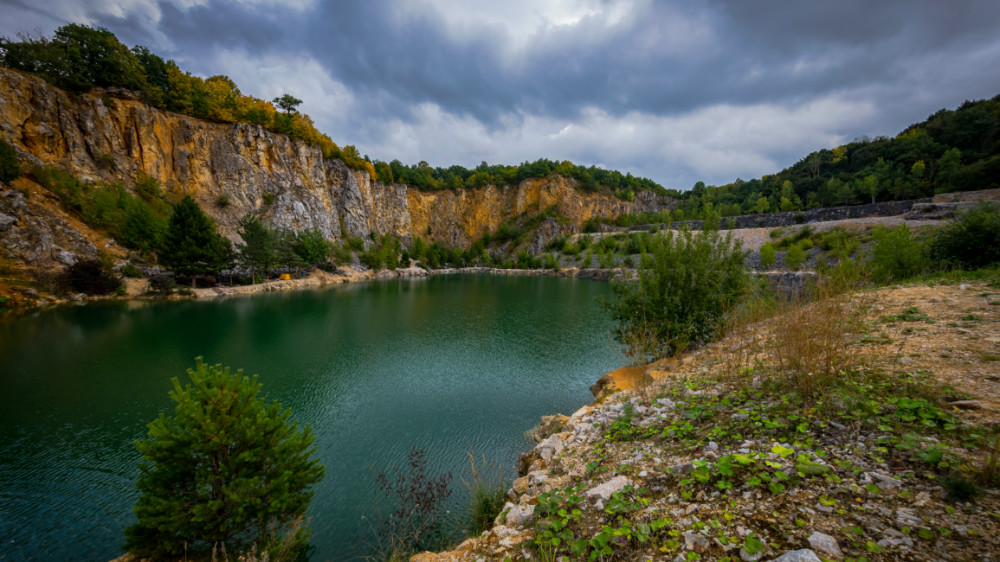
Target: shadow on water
x=443, y=364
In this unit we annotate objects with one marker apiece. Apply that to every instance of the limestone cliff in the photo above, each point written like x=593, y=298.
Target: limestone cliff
x=101, y=138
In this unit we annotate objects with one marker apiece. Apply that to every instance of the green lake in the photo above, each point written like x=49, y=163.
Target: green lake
x=441, y=363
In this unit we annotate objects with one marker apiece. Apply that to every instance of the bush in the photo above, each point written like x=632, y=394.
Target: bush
x=767, y=255
x=383, y=254
x=310, y=247
x=896, y=255
x=92, y=277
x=795, y=257
x=131, y=271
x=970, y=241
x=686, y=284
x=10, y=166
x=163, y=284
x=227, y=469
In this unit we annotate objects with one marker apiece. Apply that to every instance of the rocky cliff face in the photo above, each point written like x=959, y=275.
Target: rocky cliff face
x=288, y=183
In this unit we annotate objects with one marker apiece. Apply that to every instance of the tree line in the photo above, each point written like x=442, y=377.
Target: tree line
x=952, y=150
x=589, y=179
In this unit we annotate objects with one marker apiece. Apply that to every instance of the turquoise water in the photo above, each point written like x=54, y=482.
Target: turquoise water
x=442, y=364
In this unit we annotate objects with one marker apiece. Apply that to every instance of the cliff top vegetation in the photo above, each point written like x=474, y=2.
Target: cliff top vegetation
x=79, y=58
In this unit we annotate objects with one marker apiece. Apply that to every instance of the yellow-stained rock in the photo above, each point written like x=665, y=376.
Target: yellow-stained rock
x=234, y=168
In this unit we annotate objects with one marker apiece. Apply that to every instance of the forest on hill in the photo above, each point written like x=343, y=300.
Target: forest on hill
x=952, y=150
x=78, y=58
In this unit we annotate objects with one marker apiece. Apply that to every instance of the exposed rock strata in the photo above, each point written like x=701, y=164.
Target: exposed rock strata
x=249, y=169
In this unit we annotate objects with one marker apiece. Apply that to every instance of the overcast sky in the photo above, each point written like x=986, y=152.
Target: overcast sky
x=677, y=91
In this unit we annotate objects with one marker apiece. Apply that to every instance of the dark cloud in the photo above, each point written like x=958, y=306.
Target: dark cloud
x=451, y=83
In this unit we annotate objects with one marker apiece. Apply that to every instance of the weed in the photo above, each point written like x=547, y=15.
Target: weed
x=163, y=284
x=487, y=490
x=131, y=271
x=417, y=520
x=959, y=487
x=989, y=473
x=911, y=314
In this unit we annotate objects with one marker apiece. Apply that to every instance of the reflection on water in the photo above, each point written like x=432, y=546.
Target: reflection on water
x=442, y=363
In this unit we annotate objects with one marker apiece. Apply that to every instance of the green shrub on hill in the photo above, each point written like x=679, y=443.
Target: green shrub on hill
x=795, y=257
x=971, y=240
x=686, y=284
x=896, y=255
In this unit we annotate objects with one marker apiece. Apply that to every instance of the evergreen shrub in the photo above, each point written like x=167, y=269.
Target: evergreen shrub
x=226, y=471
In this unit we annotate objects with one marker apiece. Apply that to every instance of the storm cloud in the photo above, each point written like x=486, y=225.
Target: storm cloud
x=675, y=91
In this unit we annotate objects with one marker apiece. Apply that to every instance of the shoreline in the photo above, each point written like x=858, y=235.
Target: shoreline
x=321, y=278
x=137, y=288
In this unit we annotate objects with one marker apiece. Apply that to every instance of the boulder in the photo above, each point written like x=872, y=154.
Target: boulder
x=548, y=426
x=804, y=555
x=605, y=490
x=826, y=544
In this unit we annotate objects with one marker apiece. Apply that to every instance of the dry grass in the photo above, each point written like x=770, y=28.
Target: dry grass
x=487, y=492
x=811, y=344
x=804, y=341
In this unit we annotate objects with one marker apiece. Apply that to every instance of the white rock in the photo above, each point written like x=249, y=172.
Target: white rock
x=519, y=514
x=694, y=540
x=887, y=483
x=826, y=544
x=904, y=517
x=537, y=477
x=682, y=468
x=804, y=555
x=605, y=490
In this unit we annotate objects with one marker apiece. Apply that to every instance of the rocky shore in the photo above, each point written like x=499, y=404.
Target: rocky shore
x=678, y=461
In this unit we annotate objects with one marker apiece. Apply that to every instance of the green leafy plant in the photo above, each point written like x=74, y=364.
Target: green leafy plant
x=971, y=240
x=896, y=255
x=686, y=284
x=163, y=284
x=767, y=255
x=795, y=257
